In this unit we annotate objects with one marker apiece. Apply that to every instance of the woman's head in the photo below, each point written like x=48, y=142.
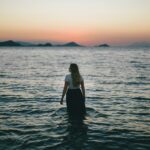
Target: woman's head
x=75, y=74
x=74, y=68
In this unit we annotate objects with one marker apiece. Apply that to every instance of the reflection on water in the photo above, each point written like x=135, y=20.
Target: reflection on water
x=117, y=87
x=77, y=134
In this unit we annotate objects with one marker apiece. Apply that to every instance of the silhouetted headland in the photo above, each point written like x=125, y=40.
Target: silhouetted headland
x=45, y=45
x=28, y=44
x=70, y=44
x=104, y=45
x=10, y=43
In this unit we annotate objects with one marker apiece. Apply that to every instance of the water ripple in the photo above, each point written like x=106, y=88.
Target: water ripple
x=117, y=102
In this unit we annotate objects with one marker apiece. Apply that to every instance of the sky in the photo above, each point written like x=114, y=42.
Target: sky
x=88, y=22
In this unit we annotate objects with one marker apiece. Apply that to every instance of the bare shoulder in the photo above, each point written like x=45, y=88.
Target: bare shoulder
x=67, y=77
x=81, y=78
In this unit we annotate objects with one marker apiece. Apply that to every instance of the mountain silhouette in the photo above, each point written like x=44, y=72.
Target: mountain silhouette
x=45, y=45
x=71, y=44
x=9, y=43
x=20, y=43
x=104, y=45
x=27, y=44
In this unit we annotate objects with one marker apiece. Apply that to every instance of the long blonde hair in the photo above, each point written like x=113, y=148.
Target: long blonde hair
x=75, y=74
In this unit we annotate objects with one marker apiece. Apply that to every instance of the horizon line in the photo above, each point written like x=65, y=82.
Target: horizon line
x=55, y=43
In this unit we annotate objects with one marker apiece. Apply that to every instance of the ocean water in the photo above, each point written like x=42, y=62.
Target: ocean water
x=117, y=82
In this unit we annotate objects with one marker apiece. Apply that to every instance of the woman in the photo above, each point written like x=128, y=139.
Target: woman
x=75, y=99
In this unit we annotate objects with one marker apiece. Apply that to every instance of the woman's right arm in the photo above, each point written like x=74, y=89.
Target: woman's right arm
x=64, y=92
x=83, y=89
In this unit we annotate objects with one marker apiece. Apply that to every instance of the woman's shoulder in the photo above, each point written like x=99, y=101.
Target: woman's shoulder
x=81, y=77
x=67, y=77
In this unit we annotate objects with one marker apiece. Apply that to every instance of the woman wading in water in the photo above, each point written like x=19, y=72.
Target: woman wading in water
x=75, y=97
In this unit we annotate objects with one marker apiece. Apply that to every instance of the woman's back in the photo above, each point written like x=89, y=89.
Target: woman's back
x=69, y=80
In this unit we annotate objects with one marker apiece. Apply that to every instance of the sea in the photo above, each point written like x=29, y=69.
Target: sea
x=117, y=84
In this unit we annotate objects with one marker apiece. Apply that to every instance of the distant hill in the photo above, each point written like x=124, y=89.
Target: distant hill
x=45, y=45
x=70, y=44
x=10, y=43
x=104, y=45
x=25, y=43
x=20, y=43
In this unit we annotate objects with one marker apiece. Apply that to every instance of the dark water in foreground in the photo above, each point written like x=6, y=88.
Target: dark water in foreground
x=118, y=106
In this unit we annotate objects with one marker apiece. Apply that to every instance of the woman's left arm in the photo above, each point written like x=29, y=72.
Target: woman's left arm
x=64, y=92
x=83, y=89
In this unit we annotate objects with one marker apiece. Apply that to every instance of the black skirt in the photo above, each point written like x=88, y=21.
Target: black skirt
x=75, y=102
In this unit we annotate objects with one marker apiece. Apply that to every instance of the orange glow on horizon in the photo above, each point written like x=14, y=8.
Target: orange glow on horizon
x=87, y=22
x=82, y=37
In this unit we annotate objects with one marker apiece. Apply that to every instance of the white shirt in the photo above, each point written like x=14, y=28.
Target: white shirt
x=68, y=79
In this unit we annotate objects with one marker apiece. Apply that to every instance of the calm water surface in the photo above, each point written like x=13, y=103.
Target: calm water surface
x=117, y=82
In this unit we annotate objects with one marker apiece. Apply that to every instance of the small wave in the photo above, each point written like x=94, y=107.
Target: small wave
x=38, y=112
x=134, y=62
x=141, y=113
x=59, y=112
x=3, y=75
x=120, y=131
x=125, y=83
x=141, y=66
x=137, y=83
x=141, y=77
x=8, y=131
x=141, y=98
x=91, y=112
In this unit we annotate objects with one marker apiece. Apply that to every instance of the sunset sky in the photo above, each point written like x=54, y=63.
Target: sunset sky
x=88, y=22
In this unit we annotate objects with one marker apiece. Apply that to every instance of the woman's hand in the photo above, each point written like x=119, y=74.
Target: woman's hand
x=61, y=102
x=84, y=98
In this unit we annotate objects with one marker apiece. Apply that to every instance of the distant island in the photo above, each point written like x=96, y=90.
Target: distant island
x=10, y=43
x=104, y=45
x=45, y=45
x=70, y=44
